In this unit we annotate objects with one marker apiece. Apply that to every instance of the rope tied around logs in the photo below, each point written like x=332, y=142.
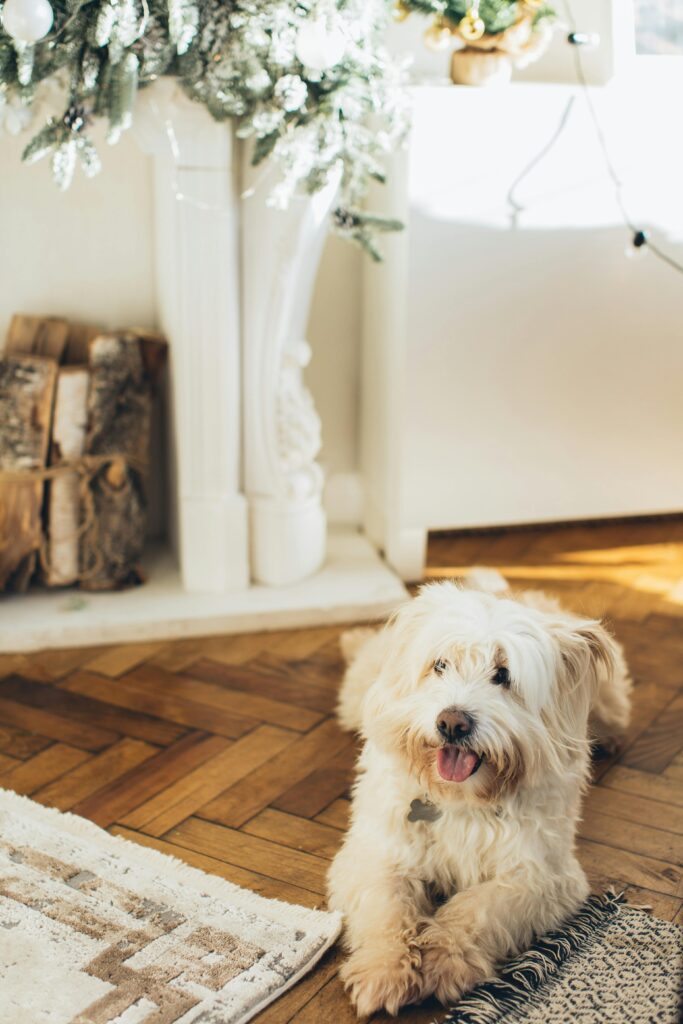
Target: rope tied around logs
x=86, y=468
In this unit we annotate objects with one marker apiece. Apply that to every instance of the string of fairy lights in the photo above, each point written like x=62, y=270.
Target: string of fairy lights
x=639, y=236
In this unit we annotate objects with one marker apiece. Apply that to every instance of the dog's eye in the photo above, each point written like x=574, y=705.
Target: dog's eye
x=440, y=666
x=501, y=677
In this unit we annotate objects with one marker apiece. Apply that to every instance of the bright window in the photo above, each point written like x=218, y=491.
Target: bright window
x=659, y=27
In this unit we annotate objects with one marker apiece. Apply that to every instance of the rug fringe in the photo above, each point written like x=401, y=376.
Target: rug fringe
x=521, y=978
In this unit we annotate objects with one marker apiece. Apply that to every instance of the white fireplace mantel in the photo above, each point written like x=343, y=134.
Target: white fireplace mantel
x=250, y=547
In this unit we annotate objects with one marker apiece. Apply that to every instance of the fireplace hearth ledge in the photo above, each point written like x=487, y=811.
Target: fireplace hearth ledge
x=353, y=585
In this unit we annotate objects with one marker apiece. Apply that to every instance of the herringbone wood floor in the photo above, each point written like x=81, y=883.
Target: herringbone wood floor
x=224, y=751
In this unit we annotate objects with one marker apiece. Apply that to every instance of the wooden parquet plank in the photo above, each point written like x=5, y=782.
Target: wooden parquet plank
x=55, y=726
x=11, y=663
x=636, y=869
x=139, y=785
x=324, y=668
x=674, y=770
x=271, y=888
x=648, y=701
x=260, y=855
x=122, y=658
x=56, y=664
x=628, y=807
x=177, y=655
x=21, y=744
x=316, y=791
x=191, y=793
x=652, y=787
x=78, y=708
x=92, y=776
x=7, y=762
x=237, y=650
x=329, y=1004
x=198, y=687
x=258, y=789
x=24, y=665
x=153, y=702
x=654, y=653
x=628, y=835
x=658, y=745
x=337, y=815
x=259, y=678
x=50, y=764
x=299, y=833
x=296, y=644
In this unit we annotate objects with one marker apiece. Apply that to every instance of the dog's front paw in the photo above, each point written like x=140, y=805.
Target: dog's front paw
x=448, y=971
x=382, y=979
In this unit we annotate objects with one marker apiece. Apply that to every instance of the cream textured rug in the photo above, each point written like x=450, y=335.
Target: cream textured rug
x=98, y=930
x=610, y=964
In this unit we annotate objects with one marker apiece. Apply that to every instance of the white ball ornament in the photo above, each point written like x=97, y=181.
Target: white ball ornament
x=27, y=21
x=320, y=46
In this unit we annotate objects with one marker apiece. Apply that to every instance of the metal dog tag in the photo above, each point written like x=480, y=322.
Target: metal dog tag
x=423, y=810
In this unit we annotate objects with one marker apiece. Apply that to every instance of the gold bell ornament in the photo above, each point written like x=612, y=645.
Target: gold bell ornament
x=400, y=11
x=438, y=35
x=471, y=27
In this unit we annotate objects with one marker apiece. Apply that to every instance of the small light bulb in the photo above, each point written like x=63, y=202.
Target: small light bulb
x=638, y=247
x=587, y=39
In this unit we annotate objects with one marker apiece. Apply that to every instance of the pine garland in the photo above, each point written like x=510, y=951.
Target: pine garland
x=239, y=58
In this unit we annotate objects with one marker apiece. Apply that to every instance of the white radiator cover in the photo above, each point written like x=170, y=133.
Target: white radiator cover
x=530, y=372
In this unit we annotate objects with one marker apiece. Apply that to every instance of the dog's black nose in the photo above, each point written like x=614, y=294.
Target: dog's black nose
x=454, y=725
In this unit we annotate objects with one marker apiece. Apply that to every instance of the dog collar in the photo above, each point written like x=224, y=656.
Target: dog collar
x=423, y=810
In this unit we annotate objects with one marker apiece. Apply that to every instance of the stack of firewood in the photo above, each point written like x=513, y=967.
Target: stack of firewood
x=75, y=417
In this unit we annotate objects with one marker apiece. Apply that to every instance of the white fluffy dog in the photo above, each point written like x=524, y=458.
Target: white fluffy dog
x=478, y=709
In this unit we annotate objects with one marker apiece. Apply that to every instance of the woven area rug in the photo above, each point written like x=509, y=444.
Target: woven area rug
x=95, y=930
x=611, y=964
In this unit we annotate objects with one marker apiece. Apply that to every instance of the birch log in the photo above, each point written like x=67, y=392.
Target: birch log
x=119, y=419
x=26, y=393
x=64, y=498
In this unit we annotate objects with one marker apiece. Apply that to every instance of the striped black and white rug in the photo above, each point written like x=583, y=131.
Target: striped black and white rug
x=611, y=964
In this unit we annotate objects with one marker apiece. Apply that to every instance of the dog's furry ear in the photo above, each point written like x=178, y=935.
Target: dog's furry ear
x=588, y=650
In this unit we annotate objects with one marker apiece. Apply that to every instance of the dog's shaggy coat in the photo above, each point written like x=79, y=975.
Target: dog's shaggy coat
x=478, y=709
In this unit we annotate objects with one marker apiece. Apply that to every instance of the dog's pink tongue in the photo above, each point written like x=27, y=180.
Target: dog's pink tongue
x=455, y=764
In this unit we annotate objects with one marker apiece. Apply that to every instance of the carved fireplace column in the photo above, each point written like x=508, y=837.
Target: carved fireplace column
x=196, y=200
x=280, y=254
x=246, y=433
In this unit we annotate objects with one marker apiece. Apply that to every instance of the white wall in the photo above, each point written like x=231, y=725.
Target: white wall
x=85, y=253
